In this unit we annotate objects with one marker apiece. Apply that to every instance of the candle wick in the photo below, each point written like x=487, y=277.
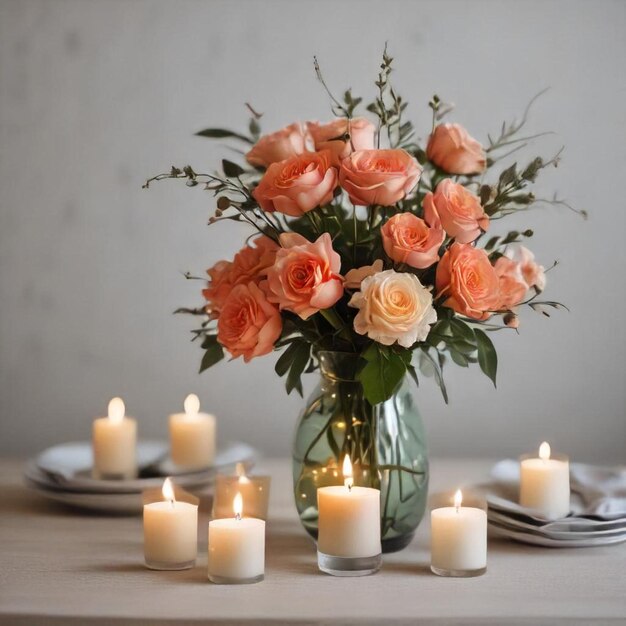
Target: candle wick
x=238, y=517
x=172, y=503
x=457, y=509
x=349, y=488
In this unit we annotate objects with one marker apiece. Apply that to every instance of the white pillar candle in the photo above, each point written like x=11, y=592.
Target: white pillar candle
x=114, y=439
x=170, y=532
x=349, y=519
x=458, y=540
x=544, y=484
x=254, y=490
x=192, y=436
x=236, y=548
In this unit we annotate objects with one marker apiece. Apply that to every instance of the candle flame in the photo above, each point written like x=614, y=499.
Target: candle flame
x=458, y=498
x=238, y=505
x=544, y=451
x=348, y=481
x=168, y=490
x=192, y=404
x=117, y=410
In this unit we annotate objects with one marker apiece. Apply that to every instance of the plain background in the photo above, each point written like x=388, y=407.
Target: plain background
x=97, y=95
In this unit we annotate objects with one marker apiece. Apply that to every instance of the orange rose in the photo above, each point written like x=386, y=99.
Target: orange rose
x=461, y=214
x=468, y=282
x=512, y=285
x=283, y=144
x=361, y=136
x=248, y=324
x=251, y=263
x=451, y=148
x=408, y=239
x=381, y=177
x=298, y=184
x=218, y=288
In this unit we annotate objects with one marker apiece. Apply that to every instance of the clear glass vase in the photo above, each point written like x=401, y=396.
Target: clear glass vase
x=385, y=443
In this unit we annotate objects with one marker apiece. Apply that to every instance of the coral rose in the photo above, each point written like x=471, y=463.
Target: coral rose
x=533, y=273
x=218, y=288
x=393, y=307
x=331, y=136
x=451, y=148
x=381, y=177
x=305, y=276
x=513, y=287
x=251, y=262
x=283, y=144
x=408, y=239
x=458, y=209
x=355, y=277
x=468, y=281
x=248, y=324
x=298, y=184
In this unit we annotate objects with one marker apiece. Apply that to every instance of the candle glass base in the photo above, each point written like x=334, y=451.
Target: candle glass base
x=167, y=565
x=224, y=580
x=458, y=573
x=348, y=566
x=97, y=475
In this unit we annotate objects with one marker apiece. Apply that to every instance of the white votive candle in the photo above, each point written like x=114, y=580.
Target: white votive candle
x=458, y=540
x=254, y=490
x=114, y=440
x=192, y=436
x=170, y=532
x=544, y=484
x=348, y=541
x=236, y=548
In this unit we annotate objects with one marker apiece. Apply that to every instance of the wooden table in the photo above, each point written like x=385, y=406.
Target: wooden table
x=65, y=568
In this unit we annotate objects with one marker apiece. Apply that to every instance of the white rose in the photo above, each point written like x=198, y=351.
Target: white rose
x=393, y=307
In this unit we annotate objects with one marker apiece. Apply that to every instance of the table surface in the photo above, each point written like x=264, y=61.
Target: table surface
x=59, y=566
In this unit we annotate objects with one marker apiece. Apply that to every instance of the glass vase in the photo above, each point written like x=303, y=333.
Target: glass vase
x=385, y=443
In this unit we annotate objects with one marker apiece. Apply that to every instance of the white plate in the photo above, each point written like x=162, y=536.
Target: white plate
x=67, y=467
x=539, y=540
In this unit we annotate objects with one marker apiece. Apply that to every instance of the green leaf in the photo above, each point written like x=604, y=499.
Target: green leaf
x=382, y=373
x=213, y=354
x=487, y=357
x=463, y=330
x=298, y=365
x=221, y=133
x=232, y=170
x=286, y=358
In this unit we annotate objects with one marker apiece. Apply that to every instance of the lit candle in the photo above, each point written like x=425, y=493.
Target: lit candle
x=544, y=483
x=254, y=490
x=114, y=439
x=348, y=542
x=459, y=540
x=192, y=436
x=170, y=532
x=236, y=548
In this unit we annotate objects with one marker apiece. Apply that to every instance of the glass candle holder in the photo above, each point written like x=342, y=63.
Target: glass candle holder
x=254, y=490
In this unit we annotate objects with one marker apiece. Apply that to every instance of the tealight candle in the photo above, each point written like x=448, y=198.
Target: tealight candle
x=170, y=532
x=114, y=439
x=254, y=490
x=236, y=548
x=348, y=542
x=459, y=540
x=544, y=483
x=192, y=436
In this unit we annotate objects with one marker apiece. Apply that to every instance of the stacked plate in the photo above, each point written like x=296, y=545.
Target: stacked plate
x=584, y=527
x=63, y=474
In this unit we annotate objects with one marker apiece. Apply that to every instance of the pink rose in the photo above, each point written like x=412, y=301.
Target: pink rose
x=283, y=144
x=533, y=273
x=218, y=287
x=331, y=136
x=305, y=276
x=468, y=281
x=451, y=148
x=458, y=209
x=298, y=184
x=355, y=277
x=381, y=177
x=408, y=239
x=248, y=324
x=393, y=306
x=251, y=263
x=513, y=288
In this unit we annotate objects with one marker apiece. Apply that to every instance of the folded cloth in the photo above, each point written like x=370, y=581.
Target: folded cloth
x=601, y=490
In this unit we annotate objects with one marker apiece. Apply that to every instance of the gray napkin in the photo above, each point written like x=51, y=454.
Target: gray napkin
x=600, y=490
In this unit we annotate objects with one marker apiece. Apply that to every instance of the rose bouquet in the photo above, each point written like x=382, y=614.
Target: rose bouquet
x=370, y=243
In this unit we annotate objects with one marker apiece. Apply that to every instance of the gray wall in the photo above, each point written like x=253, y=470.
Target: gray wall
x=95, y=96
